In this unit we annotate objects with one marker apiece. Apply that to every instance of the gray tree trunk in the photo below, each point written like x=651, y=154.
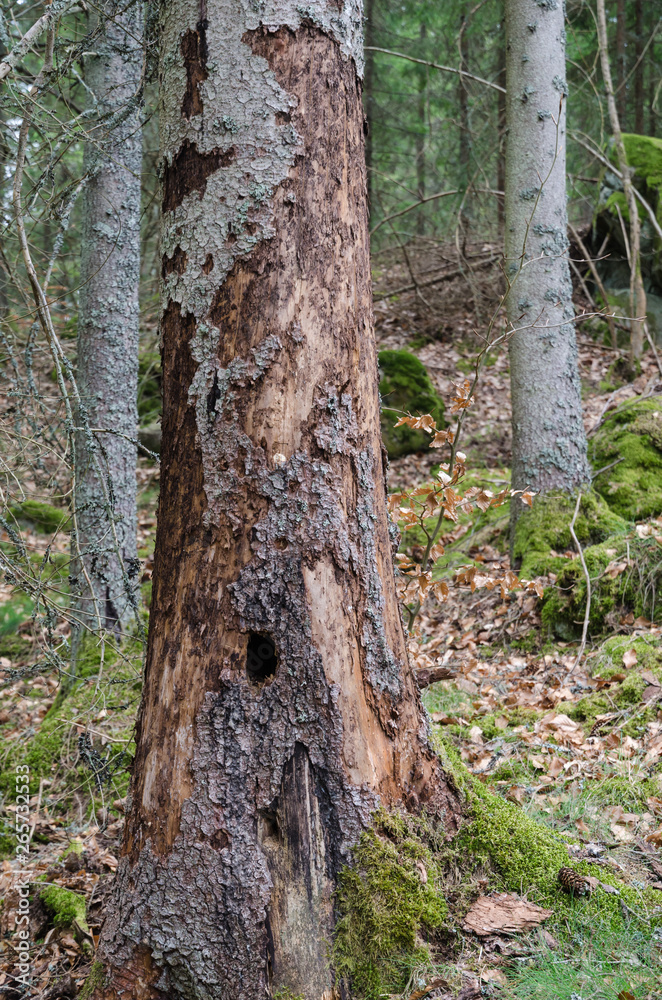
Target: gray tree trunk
x=279, y=708
x=549, y=443
x=104, y=553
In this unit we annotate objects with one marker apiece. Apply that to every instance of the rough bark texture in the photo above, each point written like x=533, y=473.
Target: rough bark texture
x=106, y=565
x=549, y=444
x=369, y=96
x=279, y=708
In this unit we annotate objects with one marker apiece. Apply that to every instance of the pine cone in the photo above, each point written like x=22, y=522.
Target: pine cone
x=574, y=883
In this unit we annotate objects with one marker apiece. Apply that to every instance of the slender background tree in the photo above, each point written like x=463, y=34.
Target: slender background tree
x=105, y=563
x=549, y=443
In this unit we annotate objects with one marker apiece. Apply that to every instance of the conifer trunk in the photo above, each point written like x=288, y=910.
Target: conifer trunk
x=104, y=552
x=279, y=709
x=549, y=443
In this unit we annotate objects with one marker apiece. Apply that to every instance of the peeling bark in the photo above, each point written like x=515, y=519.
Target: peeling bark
x=549, y=443
x=279, y=708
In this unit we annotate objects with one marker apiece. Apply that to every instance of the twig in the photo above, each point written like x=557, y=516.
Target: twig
x=409, y=208
x=57, y=9
x=587, y=613
x=445, y=69
x=454, y=273
x=36, y=812
x=652, y=345
x=597, y=279
x=607, y=467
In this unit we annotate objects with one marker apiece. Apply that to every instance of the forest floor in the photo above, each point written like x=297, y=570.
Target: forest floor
x=522, y=711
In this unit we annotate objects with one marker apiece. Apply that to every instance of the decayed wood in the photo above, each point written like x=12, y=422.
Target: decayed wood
x=279, y=708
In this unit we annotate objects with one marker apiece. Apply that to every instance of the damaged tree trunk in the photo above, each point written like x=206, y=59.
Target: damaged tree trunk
x=549, y=443
x=279, y=709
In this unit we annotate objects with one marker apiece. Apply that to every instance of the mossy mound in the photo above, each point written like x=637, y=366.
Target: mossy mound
x=408, y=888
x=624, y=696
x=632, y=437
x=644, y=153
x=406, y=387
x=542, y=533
x=52, y=751
x=617, y=586
x=42, y=517
x=609, y=657
x=67, y=908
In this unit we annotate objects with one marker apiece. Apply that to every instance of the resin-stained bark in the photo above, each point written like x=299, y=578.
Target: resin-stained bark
x=107, y=369
x=549, y=444
x=279, y=709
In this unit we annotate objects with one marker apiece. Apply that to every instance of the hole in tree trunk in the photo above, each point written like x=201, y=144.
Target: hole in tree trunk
x=268, y=825
x=261, y=659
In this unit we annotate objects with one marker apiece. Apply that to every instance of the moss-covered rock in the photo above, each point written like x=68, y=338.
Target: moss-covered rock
x=644, y=153
x=43, y=517
x=406, y=387
x=542, y=533
x=632, y=437
x=616, y=586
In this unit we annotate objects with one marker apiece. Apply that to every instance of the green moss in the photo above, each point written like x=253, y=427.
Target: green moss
x=632, y=436
x=386, y=910
x=405, y=386
x=634, y=589
x=618, y=202
x=388, y=900
x=94, y=980
x=644, y=153
x=609, y=658
x=41, y=516
x=65, y=906
x=12, y=614
x=543, y=532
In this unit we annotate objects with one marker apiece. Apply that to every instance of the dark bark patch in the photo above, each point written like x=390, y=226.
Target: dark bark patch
x=189, y=171
x=175, y=264
x=194, y=50
x=213, y=397
x=261, y=658
x=208, y=265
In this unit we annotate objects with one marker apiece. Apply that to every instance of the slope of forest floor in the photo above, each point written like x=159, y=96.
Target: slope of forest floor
x=575, y=743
